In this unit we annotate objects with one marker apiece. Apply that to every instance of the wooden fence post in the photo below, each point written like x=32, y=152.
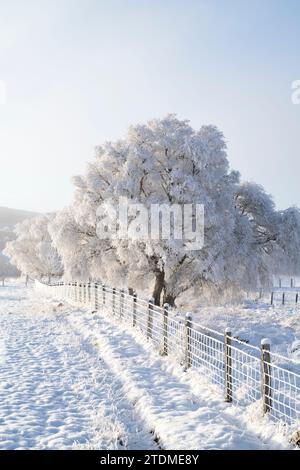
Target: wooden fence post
x=283, y=298
x=297, y=297
x=75, y=293
x=121, y=302
x=272, y=298
x=96, y=295
x=89, y=292
x=114, y=301
x=165, y=330
x=134, y=309
x=266, y=380
x=150, y=318
x=188, y=340
x=103, y=294
x=228, y=365
x=80, y=293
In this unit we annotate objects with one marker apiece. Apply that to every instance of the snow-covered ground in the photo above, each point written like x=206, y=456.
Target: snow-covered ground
x=73, y=379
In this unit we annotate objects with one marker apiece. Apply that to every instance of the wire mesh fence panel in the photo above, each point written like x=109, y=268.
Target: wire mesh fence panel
x=245, y=374
x=207, y=354
x=176, y=339
x=283, y=393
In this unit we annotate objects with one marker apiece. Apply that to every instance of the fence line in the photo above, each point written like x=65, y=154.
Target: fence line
x=245, y=373
x=284, y=297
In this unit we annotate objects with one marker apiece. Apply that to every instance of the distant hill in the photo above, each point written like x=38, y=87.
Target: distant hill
x=10, y=217
x=8, y=220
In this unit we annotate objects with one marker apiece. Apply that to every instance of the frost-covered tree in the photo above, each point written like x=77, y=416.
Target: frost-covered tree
x=257, y=232
x=33, y=252
x=166, y=163
x=162, y=162
x=258, y=206
x=268, y=241
x=83, y=254
x=7, y=270
x=288, y=259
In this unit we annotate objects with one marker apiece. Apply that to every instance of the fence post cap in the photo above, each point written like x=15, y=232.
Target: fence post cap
x=188, y=316
x=265, y=342
x=151, y=300
x=166, y=306
x=228, y=330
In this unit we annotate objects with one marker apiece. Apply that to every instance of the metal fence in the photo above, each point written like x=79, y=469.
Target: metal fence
x=246, y=374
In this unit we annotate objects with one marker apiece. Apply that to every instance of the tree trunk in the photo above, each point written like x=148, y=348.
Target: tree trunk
x=158, y=286
x=169, y=299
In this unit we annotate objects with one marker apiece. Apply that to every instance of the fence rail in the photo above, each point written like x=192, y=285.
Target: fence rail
x=246, y=374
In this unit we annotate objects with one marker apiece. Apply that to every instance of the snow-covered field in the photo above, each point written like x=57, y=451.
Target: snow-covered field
x=73, y=379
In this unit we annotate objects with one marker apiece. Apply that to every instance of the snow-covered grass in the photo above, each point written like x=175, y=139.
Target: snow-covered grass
x=73, y=379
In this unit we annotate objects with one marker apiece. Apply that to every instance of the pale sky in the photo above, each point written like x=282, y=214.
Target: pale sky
x=79, y=72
